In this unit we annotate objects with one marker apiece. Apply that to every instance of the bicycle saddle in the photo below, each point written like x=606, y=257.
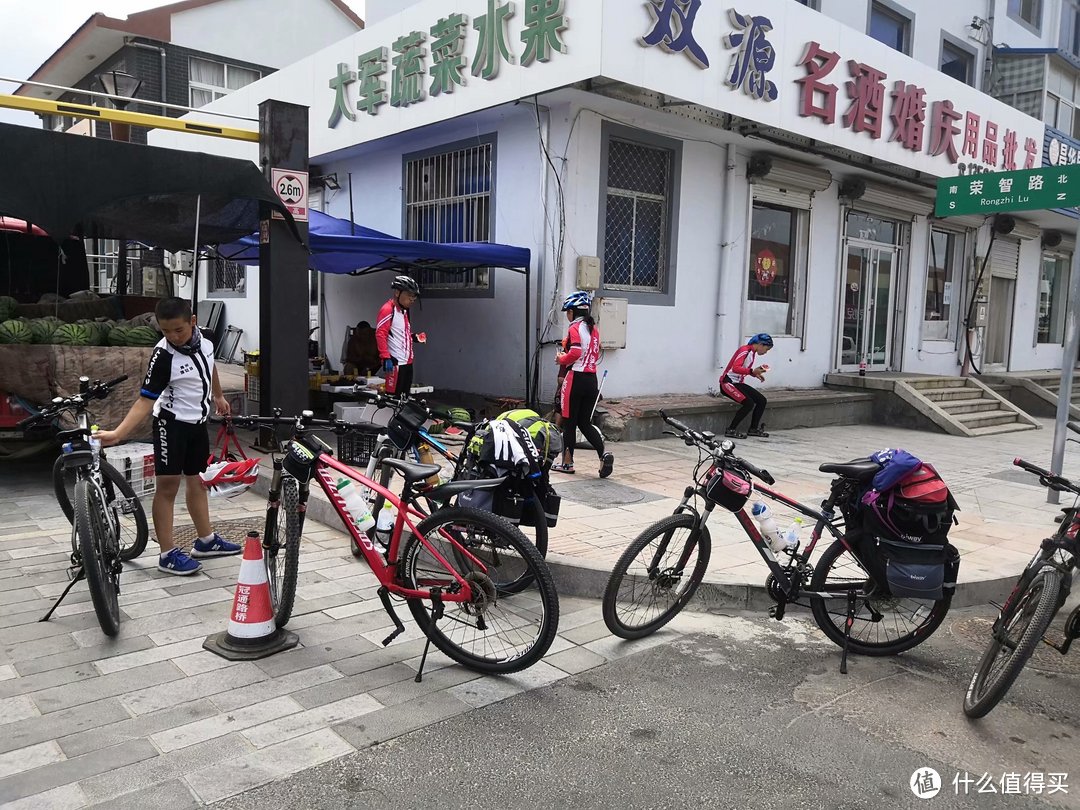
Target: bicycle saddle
x=411, y=471
x=861, y=469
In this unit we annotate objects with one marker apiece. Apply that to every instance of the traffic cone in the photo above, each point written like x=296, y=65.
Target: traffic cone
x=252, y=631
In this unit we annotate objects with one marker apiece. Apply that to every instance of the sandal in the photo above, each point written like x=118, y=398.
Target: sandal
x=607, y=463
x=759, y=432
x=568, y=469
x=734, y=434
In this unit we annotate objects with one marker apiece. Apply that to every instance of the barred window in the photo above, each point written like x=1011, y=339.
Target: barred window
x=449, y=198
x=637, y=226
x=227, y=277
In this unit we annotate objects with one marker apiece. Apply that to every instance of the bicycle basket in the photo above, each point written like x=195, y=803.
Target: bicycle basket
x=402, y=428
x=729, y=488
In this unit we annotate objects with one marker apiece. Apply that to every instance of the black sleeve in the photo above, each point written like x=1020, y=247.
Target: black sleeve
x=158, y=373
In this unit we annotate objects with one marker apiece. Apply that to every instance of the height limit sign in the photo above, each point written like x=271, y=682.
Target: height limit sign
x=292, y=187
x=994, y=193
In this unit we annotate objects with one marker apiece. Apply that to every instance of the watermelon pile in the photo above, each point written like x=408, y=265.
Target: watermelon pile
x=42, y=330
x=12, y=331
x=8, y=307
x=142, y=336
x=72, y=334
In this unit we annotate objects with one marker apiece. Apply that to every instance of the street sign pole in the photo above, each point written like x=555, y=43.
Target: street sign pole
x=1068, y=364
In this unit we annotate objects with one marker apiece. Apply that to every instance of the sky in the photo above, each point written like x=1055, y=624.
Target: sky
x=34, y=29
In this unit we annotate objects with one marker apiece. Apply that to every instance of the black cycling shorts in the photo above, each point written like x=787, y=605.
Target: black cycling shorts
x=180, y=448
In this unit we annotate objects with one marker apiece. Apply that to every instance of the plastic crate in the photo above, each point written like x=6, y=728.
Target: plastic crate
x=136, y=462
x=355, y=448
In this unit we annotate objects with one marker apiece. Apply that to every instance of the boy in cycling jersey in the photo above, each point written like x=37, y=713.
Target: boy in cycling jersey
x=734, y=387
x=181, y=380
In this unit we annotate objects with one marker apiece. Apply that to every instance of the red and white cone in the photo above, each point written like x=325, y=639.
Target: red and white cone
x=252, y=631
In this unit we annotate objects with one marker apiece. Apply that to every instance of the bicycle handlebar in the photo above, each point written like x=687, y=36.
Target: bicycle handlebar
x=1046, y=478
x=691, y=436
x=96, y=390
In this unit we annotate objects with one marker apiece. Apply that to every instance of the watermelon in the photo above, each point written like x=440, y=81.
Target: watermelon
x=15, y=332
x=8, y=307
x=42, y=330
x=142, y=336
x=72, y=334
x=118, y=335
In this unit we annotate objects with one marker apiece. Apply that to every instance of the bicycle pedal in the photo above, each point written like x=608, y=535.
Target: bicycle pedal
x=128, y=506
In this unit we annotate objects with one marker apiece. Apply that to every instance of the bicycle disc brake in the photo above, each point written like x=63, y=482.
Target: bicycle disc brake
x=484, y=595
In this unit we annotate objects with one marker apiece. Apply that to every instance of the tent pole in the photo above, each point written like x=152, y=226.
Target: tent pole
x=352, y=218
x=195, y=259
x=528, y=327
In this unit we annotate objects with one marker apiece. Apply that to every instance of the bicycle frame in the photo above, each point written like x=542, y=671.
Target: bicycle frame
x=326, y=467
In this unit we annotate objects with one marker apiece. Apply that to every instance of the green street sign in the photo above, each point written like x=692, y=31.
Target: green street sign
x=993, y=193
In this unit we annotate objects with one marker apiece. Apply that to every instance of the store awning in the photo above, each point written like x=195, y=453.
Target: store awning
x=62, y=182
x=342, y=247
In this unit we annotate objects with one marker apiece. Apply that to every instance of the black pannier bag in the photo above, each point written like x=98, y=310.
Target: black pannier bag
x=301, y=455
x=403, y=426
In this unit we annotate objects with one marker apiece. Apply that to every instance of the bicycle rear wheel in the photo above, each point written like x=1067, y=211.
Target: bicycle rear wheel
x=281, y=550
x=1014, y=643
x=884, y=624
x=656, y=576
x=130, y=517
x=99, y=552
x=494, y=633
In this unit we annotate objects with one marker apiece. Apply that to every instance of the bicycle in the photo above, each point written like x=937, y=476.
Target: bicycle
x=106, y=530
x=481, y=629
x=1038, y=595
x=657, y=575
x=405, y=435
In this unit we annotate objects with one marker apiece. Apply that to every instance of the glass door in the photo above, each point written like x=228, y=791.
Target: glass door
x=866, y=320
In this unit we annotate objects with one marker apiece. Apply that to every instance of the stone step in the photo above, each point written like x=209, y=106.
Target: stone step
x=985, y=418
x=926, y=384
x=952, y=394
x=965, y=406
x=993, y=430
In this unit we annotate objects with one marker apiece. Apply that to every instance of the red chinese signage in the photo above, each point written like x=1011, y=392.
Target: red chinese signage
x=870, y=102
x=765, y=267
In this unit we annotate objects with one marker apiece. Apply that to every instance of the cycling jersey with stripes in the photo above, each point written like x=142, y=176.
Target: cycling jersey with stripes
x=179, y=380
x=584, y=352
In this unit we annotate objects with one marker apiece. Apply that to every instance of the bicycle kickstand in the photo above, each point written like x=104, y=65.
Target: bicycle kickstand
x=75, y=577
x=847, y=630
x=436, y=614
x=399, y=628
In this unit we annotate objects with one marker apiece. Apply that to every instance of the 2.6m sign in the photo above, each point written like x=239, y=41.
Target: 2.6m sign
x=1026, y=190
x=292, y=187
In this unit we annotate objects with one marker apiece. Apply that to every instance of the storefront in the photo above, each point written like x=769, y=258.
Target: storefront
x=732, y=173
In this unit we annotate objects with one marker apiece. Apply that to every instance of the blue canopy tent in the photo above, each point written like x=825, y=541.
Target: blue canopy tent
x=345, y=248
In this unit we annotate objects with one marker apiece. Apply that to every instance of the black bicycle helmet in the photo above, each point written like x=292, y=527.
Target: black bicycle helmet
x=407, y=283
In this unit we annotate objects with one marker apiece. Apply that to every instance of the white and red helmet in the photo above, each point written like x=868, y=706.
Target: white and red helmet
x=226, y=479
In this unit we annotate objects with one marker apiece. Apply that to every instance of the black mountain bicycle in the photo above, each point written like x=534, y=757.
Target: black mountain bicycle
x=660, y=570
x=108, y=521
x=1029, y=611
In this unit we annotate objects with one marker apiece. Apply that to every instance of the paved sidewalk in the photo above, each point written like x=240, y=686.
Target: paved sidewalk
x=151, y=719
x=1003, y=515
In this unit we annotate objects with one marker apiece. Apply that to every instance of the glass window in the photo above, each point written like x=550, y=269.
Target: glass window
x=957, y=62
x=814, y=4
x=449, y=197
x=637, y=226
x=209, y=80
x=778, y=237
x=1053, y=296
x=942, y=284
x=1028, y=11
x=1069, y=40
x=865, y=226
x=889, y=27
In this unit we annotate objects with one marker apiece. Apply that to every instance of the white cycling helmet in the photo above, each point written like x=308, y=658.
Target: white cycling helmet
x=226, y=479
x=579, y=299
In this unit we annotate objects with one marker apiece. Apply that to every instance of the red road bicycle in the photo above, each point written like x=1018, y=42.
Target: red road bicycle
x=449, y=567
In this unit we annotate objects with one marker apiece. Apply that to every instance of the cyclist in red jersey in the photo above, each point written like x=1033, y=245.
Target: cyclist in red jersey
x=579, y=390
x=394, y=335
x=734, y=387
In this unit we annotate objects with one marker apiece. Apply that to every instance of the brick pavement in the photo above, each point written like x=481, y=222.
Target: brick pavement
x=151, y=719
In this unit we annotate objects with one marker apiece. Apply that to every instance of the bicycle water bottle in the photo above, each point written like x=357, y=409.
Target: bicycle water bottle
x=387, y=518
x=355, y=503
x=791, y=536
x=769, y=531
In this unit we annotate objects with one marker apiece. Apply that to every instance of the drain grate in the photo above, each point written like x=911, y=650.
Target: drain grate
x=232, y=530
x=604, y=494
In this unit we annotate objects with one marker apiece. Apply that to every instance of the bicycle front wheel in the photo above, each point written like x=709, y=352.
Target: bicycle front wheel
x=656, y=576
x=494, y=633
x=281, y=550
x=1013, y=643
x=125, y=506
x=99, y=552
x=883, y=624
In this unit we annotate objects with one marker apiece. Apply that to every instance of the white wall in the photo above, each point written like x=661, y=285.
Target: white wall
x=266, y=32
x=379, y=10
